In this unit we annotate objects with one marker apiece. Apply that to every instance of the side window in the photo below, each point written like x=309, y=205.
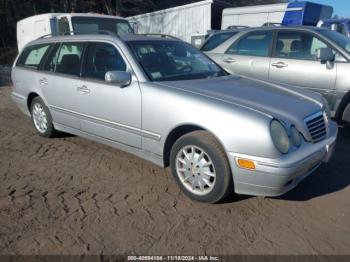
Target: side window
x=63, y=26
x=101, y=58
x=255, y=44
x=297, y=45
x=315, y=45
x=342, y=29
x=216, y=40
x=31, y=57
x=66, y=59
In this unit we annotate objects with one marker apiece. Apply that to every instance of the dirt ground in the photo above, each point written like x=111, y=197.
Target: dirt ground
x=69, y=195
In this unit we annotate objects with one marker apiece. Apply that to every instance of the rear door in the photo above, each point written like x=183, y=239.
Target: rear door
x=294, y=62
x=249, y=55
x=60, y=81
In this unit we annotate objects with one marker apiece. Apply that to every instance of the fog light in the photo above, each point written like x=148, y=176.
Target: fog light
x=247, y=164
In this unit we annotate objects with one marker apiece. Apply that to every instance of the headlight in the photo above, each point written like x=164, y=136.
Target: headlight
x=295, y=136
x=279, y=136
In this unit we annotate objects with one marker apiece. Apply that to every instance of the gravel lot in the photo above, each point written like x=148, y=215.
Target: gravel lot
x=69, y=195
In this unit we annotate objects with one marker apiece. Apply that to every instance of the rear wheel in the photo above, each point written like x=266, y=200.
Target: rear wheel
x=200, y=167
x=41, y=118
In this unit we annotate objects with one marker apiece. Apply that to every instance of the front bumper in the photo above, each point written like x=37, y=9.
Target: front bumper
x=274, y=177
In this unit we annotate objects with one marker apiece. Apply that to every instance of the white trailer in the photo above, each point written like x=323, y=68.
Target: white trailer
x=182, y=21
x=33, y=27
x=253, y=15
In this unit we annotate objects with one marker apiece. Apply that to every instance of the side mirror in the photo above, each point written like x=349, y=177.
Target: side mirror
x=326, y=56
x=119, y=78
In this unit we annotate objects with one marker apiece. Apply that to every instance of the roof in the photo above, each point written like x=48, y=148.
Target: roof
x=301, y=27
x=265, y=28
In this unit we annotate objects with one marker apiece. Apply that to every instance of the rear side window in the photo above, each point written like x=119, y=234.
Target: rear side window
x=32, y=56
x=66, y=59
x=254, y=44
x=216, y=40
x=101, y=58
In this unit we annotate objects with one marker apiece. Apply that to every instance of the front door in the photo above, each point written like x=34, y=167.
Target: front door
x=294, y=62
x=107, y=110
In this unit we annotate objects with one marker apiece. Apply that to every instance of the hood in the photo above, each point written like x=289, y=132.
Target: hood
x=282, y=102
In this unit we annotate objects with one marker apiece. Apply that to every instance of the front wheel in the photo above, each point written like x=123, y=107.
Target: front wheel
x=41, y=118
x=200, y=167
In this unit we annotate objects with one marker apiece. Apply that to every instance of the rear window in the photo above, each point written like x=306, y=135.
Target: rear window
x=32, y=56
x=216, y=40
x=66, y=59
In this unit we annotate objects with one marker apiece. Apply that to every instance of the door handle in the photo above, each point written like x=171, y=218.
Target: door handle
x=83, y=89
x=279, y=65
x=43, y=81
x=229, y=60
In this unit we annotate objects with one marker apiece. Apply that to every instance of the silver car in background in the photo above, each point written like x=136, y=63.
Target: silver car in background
x=311, y=58
x=164, y=101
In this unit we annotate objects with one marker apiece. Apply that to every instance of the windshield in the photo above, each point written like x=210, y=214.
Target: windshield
x=337, y=38
x=216, y=40
x=93, y=25
x=172, y=60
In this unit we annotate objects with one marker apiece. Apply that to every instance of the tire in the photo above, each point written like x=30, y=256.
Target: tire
x=339, y=117
x=341, y=108
x=40, y=114
x=346, y=126
x=200, y=180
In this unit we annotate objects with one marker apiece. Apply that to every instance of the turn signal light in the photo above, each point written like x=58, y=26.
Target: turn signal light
x=247, y=164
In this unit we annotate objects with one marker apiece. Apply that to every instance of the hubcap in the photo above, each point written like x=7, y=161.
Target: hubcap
x=196, y=170
x=39, y=118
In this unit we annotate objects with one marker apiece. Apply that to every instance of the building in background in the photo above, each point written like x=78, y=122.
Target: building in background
x=187, y=22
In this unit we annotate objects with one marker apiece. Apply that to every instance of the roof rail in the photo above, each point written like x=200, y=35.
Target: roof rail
x=102, y=32
x=271, y=24
x=43, y=36
x=237, y=27
x=161, y=35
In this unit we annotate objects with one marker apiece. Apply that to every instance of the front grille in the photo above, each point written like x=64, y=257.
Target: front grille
x=317, y=127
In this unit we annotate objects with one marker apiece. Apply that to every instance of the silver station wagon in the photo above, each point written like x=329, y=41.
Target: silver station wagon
x=164, y=101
